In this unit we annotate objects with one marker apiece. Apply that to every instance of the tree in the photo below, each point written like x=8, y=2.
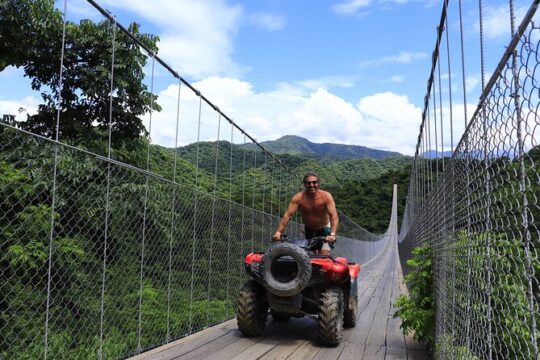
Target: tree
x=31, y=38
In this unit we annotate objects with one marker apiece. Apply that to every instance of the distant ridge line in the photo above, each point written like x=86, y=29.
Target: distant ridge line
x=296, y=145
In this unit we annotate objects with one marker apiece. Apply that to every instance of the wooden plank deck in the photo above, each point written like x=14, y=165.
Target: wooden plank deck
x=376, y=335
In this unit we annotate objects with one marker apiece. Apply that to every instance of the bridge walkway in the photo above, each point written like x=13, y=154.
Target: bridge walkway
x=376, y=336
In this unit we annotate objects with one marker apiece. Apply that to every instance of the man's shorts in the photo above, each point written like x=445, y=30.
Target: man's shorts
x=325, y=231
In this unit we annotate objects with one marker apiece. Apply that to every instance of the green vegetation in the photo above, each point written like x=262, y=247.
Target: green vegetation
x=327, y=152
x=31, y=38
x=507, y=287
x=95, y=215
x=417, y=310
x=78, y=249
x=369, y=202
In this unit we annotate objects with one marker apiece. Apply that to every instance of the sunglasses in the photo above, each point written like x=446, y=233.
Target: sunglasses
x=311, y=182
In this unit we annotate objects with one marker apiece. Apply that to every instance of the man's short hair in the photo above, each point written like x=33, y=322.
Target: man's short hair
x=310, y=174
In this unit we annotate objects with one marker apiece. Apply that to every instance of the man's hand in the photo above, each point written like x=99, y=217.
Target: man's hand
x=277, y=236
x=331, y=238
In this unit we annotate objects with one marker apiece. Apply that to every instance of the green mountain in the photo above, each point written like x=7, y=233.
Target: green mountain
x=362, y=186
x=296, y=145
x=332, y=172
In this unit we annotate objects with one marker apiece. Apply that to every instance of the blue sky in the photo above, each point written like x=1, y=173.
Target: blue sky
x=346, y=71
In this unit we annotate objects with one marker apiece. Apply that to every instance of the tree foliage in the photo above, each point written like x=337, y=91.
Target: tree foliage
x=417, y=310
x=31, y=33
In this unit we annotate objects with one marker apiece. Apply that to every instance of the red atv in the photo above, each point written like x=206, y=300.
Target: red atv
x=291, y=279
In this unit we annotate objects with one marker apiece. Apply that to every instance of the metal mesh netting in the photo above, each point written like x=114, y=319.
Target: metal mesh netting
x=110, y=252
x=482, y=217
x=126, y=260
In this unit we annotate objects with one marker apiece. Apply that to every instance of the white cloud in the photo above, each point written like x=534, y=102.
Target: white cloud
x=20, y=107
x=351, y=6
x=397, y=79
x=328, y=82
x=472, y=82
x=80, y=9
x=196, y=37
x=267, y=22
x=12, y=72
x=384, y=121
x=403, y=57
x=391, y=122
x=497, y=21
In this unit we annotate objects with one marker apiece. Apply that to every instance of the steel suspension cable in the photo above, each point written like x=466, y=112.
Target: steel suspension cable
x=253, y=201
x=107, y=196
x=195, y=209
x=428, y=159
x=229, y=234
x=468, y=180
x=263, y=200
x=526, y=236
x=242, y=235
x=272, y=190
x=212, y=222
x=173, y=213
x=441, y=112
x=452, y=169
x=487, y=165
x=435, y=134
x=55, y=174
x=450, y=89
x=146, y=191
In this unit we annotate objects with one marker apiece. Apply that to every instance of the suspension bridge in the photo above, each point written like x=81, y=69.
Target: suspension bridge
x=114, y=248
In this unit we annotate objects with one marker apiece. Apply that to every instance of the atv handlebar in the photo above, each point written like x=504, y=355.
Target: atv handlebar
x=315, y=243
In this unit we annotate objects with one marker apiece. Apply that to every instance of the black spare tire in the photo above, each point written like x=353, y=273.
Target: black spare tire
x=286, y=269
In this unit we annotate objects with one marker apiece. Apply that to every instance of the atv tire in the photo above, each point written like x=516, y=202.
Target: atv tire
x=351, y=312
x=298, y=282
x=331, y=316
x=252, y=309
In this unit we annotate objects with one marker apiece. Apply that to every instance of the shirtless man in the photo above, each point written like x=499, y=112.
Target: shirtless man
x=318, y=211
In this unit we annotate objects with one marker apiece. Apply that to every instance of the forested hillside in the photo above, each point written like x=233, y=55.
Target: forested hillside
x=369, y=202
x=90, y=245
x=362, y=186
x=296, y=145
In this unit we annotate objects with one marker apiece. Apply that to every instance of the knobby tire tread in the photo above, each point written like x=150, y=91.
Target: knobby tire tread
x=331, y=316
x=251, y=310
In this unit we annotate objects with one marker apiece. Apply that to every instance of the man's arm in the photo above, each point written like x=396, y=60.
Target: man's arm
x=334, y=218
x=291, y=209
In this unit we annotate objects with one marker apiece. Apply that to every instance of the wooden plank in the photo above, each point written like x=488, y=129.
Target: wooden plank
x=306, y=351
x=374, y=352
x=283, y=350
x=352, y=351
x=326, y=353
x=376, y=335
x=207, y=350
x=290, y=336
x=188, y=343
x=377, y=331
x=361, y=331
x=394, y=335
x=231, y=350
x=257, y=350
x=395, y=353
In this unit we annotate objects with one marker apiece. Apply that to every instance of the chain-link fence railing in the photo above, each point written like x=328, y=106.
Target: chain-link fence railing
x=482, y=216
x=111, y=242
x=99, y=257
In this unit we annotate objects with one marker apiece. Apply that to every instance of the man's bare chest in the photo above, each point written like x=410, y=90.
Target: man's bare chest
x=313, y=205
